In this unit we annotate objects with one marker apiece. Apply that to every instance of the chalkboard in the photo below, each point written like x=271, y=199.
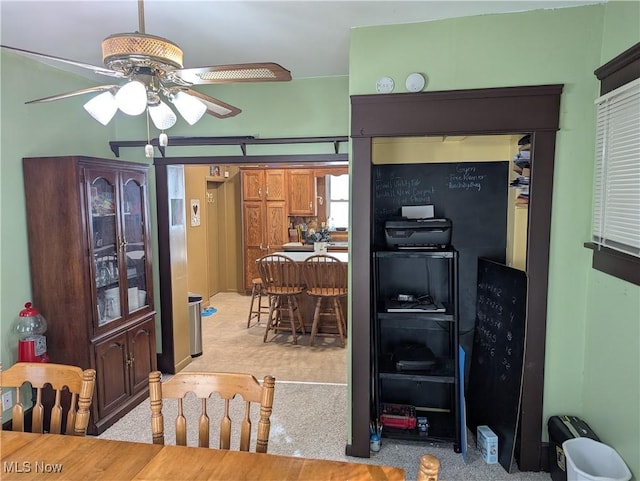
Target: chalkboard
x=495, y=375
x=472, y=194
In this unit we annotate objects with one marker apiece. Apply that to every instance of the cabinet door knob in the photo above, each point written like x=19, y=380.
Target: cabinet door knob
x=259, y=191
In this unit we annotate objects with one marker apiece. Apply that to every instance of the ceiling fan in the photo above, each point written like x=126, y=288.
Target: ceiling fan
x=153, y=69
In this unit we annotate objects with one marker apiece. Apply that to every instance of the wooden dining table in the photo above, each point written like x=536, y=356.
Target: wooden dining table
x=51, y=457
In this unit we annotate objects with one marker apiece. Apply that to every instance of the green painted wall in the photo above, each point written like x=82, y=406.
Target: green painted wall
x=592, y=366
x=611, y=389
x=310, y=107
x=32, y=130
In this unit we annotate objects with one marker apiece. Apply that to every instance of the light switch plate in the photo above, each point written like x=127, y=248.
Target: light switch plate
x=7, y=400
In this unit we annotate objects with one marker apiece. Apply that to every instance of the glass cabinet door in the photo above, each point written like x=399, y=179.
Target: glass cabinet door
x=135, y=231
x=105, y=246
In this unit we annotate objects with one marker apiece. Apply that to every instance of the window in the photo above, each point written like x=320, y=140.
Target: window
x=338, y=195
x=616, y=213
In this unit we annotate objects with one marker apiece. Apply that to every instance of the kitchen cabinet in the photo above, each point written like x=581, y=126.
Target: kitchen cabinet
x=264, y=216
x=302, y=192
x=416, y=361
x=263, y=184
x=90, y=260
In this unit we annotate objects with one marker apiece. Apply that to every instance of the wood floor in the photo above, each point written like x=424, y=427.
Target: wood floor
x=229, y=346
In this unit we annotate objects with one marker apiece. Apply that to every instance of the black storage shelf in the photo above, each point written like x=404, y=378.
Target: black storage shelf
x=434, y=253
x=440, y=429
x=442, y=371
x=413, y=320
x=422, y=273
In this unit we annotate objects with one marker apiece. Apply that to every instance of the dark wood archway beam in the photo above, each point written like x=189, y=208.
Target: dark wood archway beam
x=241, y=141
x=253, y=159
x=508, y=110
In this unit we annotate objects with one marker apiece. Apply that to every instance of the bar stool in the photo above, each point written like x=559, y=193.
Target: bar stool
x=326, y=279
x=257, y=294
x=282, y=281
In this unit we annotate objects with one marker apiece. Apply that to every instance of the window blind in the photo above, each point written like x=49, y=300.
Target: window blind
x=616, y=212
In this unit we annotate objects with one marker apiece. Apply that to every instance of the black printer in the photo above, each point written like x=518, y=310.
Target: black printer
x=418, y=233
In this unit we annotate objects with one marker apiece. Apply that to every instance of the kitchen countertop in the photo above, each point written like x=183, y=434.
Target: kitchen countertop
x=302, y=256
x=300, y=247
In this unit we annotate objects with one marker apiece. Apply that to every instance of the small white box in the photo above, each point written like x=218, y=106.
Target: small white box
x=487, y=444
x=417, y=211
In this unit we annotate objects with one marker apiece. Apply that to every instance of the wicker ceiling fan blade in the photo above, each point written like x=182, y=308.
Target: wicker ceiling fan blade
x=42, y=56
x=99, y=88
x=246, y=72
x=215, y=107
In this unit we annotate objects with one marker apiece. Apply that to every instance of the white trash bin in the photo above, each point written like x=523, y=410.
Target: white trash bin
x=589, y=460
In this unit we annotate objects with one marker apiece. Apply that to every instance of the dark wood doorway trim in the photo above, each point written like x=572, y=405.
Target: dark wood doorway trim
x=166, y=357
x=511, y=110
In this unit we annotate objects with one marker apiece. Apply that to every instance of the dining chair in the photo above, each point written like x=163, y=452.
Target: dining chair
x=325, y=279
x=205, y=384
x=61, y=377
x=282, y=280
x=429, y=468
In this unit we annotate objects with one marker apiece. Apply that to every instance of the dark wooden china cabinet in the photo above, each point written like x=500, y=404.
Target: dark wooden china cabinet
x=90, y=260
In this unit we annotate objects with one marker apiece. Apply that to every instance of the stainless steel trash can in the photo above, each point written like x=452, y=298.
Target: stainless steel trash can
x=195, y=324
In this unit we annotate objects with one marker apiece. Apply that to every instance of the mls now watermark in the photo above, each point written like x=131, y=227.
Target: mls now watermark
x=31, y=467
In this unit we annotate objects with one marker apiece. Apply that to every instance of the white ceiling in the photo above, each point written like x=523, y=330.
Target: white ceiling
x=310, y=38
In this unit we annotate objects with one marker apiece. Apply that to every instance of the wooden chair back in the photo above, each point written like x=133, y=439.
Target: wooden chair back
x=429, y=468
x=280, y=275
x=325, y=275
x=203, y=385
x=79, y=383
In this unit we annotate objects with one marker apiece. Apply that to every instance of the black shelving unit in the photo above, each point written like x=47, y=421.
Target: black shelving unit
x=405, y=331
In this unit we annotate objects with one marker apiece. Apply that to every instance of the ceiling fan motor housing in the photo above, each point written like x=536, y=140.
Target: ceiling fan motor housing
x=123, y=51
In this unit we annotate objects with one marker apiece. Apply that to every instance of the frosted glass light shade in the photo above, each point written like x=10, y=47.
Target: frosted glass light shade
x=132, y=98
x=189, y=107
x=102, y=107
x=163, y=140
x=163, y=117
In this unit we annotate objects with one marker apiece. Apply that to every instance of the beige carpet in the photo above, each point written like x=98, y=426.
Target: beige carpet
x=309, y=420
x=310, y=404
x=229, y=346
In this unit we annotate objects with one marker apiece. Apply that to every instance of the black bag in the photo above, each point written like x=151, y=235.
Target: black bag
x=562, y=428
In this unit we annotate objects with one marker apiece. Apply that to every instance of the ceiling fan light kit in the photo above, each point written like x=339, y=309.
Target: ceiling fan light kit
x=162, y=116
x=189, y=107
x=154, y=69
x=132, y=98
x=102, y=107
